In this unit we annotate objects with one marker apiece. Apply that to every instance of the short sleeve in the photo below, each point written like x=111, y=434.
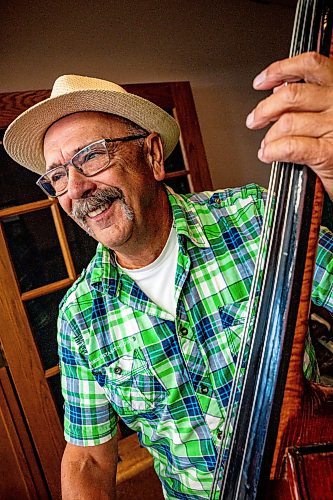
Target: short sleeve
x=322, y=291
x=89, y=418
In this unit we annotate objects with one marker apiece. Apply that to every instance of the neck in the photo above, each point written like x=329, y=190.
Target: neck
x=150, y=242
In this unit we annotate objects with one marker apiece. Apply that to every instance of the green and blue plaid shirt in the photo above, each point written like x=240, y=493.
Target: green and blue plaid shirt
x=169, y=380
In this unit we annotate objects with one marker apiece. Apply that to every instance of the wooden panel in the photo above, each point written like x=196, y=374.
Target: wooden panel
x=14, y=103
x=20, y=476
x=158, y=93
x=30, y=382
x=191, y=139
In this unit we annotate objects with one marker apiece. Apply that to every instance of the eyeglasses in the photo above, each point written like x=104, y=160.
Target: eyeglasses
x=89, y=161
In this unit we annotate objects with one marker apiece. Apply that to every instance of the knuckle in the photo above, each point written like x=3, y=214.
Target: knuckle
x=292, y=93
x=287, y=123
x=314, y=59
x=290, y=147
x=323, y=154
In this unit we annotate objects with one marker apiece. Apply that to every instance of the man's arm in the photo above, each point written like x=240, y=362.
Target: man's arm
x=89, y=472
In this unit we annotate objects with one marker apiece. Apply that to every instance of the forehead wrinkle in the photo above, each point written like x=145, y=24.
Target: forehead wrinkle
x=62, y=164
x=105, y=125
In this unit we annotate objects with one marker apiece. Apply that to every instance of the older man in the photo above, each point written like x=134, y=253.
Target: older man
x=151, y=329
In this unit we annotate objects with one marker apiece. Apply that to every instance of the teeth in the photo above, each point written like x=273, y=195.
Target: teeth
x=98, y=210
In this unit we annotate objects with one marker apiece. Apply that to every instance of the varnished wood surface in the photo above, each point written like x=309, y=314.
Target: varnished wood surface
x=31, y=385
x=297, y=398
x=26, y=208
x=14, y=103
x=20, y=476
x=191, y=139
x=310, y=472
x=66, y=253
x=46, y=289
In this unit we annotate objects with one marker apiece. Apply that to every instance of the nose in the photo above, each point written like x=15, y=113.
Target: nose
x=78, y=185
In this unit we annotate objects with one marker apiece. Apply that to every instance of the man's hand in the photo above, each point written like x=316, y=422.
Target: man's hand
x=301, y=113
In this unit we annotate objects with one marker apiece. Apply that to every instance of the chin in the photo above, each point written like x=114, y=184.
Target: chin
x=113, y=241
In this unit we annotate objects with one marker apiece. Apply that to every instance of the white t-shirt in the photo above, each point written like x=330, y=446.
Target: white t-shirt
x=157, y=280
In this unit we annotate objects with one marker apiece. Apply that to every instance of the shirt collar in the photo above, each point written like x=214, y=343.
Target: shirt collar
x=186, y=219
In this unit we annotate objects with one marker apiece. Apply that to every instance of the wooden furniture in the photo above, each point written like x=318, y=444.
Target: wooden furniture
x=41, y=254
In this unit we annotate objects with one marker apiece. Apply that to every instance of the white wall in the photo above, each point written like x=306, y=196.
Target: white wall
x=218, y=46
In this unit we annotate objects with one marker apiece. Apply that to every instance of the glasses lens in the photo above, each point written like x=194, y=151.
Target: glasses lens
x=54, y=182
x=91, y=159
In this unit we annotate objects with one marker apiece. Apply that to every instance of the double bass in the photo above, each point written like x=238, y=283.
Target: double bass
x=279, y=426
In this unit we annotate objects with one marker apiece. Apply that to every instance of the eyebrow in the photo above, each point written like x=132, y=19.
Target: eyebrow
x=55, y=165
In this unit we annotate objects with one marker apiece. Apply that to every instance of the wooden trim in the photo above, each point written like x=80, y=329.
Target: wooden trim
x=46, y=289
x=27, y=208
x=21, y=445
x=191, y=139
x=178, y=173
x=51, y=372
x=63, y=241
x=30, y=383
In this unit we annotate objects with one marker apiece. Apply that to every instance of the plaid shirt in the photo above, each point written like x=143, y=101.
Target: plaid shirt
x=168, y=379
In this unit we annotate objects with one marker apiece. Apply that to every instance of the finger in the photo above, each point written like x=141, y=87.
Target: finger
x=301, y=124
x=310, y=67
x=293, y=97
x=314, y=152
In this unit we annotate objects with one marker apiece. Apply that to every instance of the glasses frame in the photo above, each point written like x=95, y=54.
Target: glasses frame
x=78, y=169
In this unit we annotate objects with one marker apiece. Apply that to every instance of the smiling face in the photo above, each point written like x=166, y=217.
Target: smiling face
x=121, y=206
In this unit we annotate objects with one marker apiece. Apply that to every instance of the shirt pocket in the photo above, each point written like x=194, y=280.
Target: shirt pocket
x=234, y=321
x=130, y=386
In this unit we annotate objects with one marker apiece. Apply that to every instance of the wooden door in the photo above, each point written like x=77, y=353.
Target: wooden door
x=41, y=254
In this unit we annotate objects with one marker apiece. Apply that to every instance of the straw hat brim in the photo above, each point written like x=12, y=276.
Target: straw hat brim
x=24, y=137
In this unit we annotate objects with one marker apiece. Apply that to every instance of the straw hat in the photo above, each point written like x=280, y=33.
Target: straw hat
x=24, y=137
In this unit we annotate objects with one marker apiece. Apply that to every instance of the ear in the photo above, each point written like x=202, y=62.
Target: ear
x=155, y=155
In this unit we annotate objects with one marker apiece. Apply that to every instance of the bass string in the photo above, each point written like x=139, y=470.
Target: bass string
x=227, y=437
x=300, y=43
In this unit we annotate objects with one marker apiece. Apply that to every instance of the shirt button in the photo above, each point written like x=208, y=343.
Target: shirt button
x=204, y=389
x=183, y=331
x=118, y=370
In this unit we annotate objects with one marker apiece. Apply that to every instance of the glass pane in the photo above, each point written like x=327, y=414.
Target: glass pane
x=43, y=314
x=179, y=184
x=82, y=246
x=18, y=184
x=175, y=161
x=55, y=387
x=35, y=249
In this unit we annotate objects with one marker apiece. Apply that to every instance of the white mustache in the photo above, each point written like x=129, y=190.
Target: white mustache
x=102, y=196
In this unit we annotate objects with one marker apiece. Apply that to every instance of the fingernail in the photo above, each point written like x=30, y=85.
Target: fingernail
x=261, y=153
x=262, y=144
x=250, y=119
x=259, y=79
